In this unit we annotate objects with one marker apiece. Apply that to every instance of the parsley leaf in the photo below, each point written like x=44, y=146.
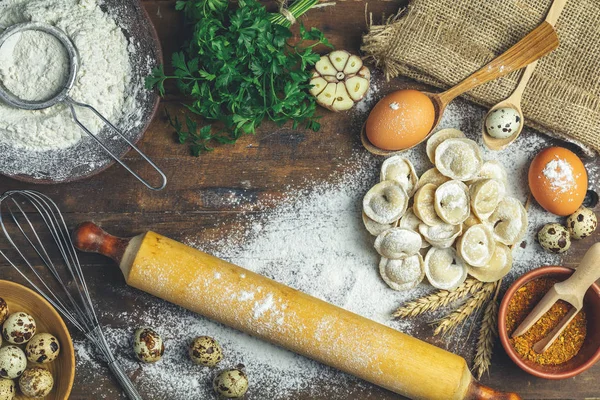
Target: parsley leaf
x=240, y=69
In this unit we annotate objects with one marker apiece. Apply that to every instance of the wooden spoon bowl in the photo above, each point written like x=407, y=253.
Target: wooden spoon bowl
x=20, y=298
x=539, y=42
x=501, y=143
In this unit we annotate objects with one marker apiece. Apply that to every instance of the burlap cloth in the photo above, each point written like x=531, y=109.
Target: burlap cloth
x=440, y=42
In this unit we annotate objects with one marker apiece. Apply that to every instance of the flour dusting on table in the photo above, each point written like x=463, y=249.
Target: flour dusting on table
x=312, y=240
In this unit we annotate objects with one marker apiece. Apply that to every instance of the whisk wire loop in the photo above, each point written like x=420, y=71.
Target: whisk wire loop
x=31, y=220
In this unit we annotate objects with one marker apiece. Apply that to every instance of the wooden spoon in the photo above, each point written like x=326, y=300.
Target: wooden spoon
x=572, y=291
x=535, y=45
x=514, y=100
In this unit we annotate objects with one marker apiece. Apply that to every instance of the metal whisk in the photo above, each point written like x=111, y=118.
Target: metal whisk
x=38, y=236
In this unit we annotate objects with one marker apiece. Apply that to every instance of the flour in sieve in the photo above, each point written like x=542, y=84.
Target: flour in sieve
x=103, y=80
x=33, y=65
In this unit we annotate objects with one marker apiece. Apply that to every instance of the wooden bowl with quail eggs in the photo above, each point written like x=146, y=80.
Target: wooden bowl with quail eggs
x=36, y=354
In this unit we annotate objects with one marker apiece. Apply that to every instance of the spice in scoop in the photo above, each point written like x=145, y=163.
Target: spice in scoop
x=568, y=343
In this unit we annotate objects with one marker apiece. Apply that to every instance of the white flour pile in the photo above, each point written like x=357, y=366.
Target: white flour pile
x=314, y=241
x=33, y=66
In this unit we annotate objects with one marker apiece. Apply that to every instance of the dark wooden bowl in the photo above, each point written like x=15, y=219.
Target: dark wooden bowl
x=590, y=351
x=136, y=23
x=20, y=298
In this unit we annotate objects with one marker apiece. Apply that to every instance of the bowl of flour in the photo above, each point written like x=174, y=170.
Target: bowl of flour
x=117, y=46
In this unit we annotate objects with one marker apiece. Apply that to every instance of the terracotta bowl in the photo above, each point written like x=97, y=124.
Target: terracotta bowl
x=590, y=351
x=20, y=298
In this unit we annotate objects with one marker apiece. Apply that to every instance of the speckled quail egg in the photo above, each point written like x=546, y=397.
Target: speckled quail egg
x=582, y=223
x=36, y=382
x=12, y=362
x=502, y=123
x=231, y=383
x=205, y=350
x=19, y=328
x=8, y=389
x=148, y=345
x=4, y=313
x=554, y=238
x=43, y=348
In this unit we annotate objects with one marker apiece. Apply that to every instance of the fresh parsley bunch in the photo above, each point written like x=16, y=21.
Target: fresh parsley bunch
x=240, y=69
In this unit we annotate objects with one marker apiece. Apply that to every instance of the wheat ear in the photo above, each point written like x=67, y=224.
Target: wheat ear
x=452, y=320
x=487, y=335
x=438, y=299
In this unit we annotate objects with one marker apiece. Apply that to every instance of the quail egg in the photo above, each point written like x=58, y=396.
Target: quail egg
x=205, y=350
x=12, y=362
x=148, y=345
x=7, y=389
x=231, y=383
x=36, y=382
x=43, y=348
x=502, y=123
x=4, y=313
x=582, y=223
x=19, y=328
x=554, y=238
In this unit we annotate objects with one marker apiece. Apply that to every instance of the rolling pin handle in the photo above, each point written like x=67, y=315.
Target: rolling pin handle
x=90, y=238
x=477, y=391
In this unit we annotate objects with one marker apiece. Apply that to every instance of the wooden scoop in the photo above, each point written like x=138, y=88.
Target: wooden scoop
x=535, y=45
x=286, y=317
x=572, y=291
x=514, y=100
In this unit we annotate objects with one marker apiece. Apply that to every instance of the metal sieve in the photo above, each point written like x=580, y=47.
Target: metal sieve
x=62, y=96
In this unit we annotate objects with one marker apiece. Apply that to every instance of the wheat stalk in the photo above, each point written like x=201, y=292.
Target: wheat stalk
x=437, y=299
x=487, y=335
x=452, y=320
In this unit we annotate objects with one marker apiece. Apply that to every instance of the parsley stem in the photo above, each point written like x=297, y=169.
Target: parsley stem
x=297, y=9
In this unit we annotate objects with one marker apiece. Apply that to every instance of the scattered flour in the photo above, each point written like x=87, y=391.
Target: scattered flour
x=312, y=240
x=560, y=175
x=104, y=76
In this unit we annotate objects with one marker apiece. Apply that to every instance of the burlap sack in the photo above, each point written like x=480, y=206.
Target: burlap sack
x=440, y=42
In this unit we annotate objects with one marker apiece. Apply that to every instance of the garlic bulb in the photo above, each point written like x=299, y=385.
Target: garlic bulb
x=339, y=80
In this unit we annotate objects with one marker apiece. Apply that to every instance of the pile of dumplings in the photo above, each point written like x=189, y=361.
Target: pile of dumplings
x=453, y=221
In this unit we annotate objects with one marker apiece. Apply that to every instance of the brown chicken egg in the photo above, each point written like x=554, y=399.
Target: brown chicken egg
x=400, y=120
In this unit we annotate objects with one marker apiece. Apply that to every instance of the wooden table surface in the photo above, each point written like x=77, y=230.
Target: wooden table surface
x=272, y=160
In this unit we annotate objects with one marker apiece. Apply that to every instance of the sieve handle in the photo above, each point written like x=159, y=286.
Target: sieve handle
x=163, y=177
x=128, y=386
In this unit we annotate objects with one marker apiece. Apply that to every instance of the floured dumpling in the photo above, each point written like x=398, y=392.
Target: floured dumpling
x=485, y=196
x=397, y=243
x=434, y=140
x=401, y=171
x=404, y=273
x=458, y=159
x=491, y=170
x=509, y=221
x=498, y=266
x=424, y=205
x=432, y=176
x=477, y=245
x=442, y=235
x=375, y=228
x=386, y=202
x=444, y=268
x=411, y=222
x=452, y=203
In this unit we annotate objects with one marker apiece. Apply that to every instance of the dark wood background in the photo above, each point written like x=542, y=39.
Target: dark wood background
x=272, y=160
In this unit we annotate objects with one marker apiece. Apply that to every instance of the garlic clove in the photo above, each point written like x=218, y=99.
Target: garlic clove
x=353, y=65
x=357, y=87
x=342, y=101
x=364, y=72
x=324, y=67
x=339, y=58
x=327, y=96
x=318, y=85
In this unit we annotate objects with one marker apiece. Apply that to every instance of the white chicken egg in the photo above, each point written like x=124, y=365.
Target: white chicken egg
x=12, y=362
x=502, y=122
x=148, y=346
x=19, y=328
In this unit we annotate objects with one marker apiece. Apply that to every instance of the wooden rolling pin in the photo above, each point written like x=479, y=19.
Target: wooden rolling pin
x=286, y=317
